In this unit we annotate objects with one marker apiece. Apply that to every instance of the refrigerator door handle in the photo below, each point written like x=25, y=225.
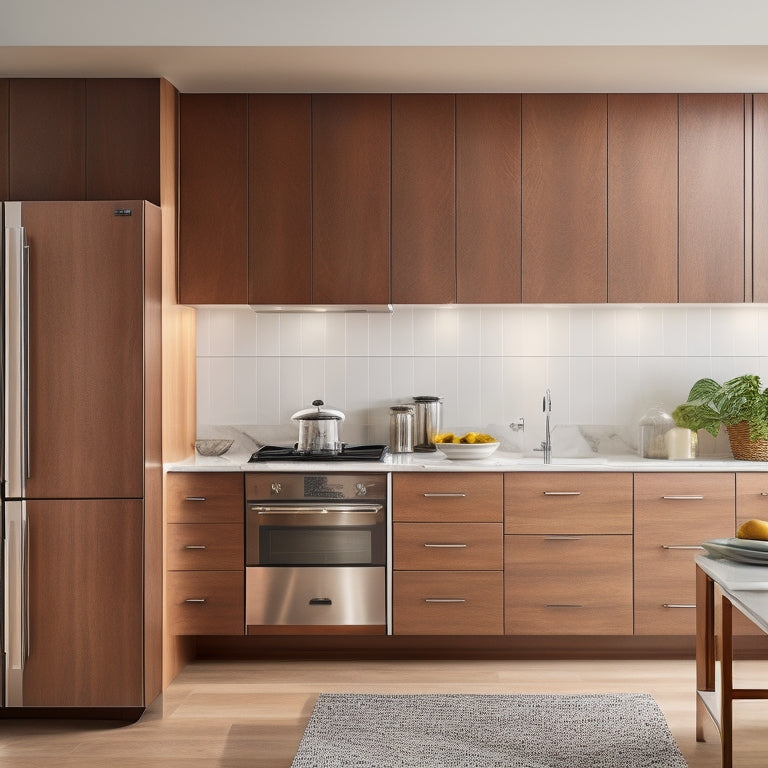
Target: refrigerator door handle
x=16, y=639
x=25, y=353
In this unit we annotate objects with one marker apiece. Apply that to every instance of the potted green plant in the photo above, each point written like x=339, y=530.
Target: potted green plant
x=741, y=404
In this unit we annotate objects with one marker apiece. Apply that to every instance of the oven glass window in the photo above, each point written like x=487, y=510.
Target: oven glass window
x=316, y=546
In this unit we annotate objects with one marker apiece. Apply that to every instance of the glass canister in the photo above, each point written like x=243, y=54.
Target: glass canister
x=401, y=429
x=653, y=427
x=428, y=418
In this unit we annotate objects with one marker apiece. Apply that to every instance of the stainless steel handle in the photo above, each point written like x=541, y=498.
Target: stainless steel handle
x=25, y=353
x=679, y=605
x=194, y=546
x=445, y=495
x=764, y=493
x=562, y=493
x=344, y=509
x=684, y=497
x=15, y=640
x=445, y=600
x=562, y=538
x=563, y=605
x=681, y=546
x=446, y=546
x=195, y=600
x=195, y=498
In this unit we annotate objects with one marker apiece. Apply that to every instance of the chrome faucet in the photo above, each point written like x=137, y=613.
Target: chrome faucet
x=546, y=444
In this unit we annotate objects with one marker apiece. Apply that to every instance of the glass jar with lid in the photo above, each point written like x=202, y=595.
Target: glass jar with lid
x=653, y=427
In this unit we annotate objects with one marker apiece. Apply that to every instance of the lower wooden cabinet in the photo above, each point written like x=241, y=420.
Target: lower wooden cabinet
x=206, y=602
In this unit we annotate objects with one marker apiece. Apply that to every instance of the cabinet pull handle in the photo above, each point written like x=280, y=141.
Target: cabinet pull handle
x=562, y=493
x=445, y=546
x=444, y=600
x=679, y=605
x=684, y=497
x=562, y=538
x=195, y=498
x=445, y=495
x=563, y=605
x=764, y=493
x=681, y=546
x=194, y=546
x=195, y=600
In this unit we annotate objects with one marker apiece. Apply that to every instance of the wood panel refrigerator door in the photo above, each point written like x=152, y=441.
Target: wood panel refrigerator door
x=85, y=606
x=759, y=197
x=86, y=363
x=4, y=86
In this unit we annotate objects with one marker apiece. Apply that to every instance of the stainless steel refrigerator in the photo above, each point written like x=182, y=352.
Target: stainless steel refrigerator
x=81, y=477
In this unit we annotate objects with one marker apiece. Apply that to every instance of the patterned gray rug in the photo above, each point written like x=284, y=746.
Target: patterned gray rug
x=622, y=730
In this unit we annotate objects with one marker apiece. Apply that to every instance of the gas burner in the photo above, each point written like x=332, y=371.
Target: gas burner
x=347, y=453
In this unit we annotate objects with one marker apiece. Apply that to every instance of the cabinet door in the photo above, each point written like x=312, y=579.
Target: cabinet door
x=642, y=197
x=279, y=199
x=712, y=267
x=204, y=497
x=351, y=146
x=423, y=199
x=564, y=198
x=760, y=197
x=123, y=139
x=47, y=139
x=488, y=198
x=4, y=139
x=751, y=496
x=85, y=604
x=213, y=199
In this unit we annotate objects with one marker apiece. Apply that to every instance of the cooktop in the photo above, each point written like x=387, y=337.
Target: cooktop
x=347, y=453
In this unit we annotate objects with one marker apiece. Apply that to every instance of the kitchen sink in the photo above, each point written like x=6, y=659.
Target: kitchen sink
x=565, y=461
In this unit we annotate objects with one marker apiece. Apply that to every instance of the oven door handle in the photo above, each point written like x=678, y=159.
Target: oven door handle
x=344, y=509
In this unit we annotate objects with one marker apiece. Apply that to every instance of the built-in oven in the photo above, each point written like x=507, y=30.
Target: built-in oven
x=316, y=548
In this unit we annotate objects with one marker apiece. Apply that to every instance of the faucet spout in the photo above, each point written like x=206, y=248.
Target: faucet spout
x=546, y=445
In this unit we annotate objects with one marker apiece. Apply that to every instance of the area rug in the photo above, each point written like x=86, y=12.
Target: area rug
x=622, y=730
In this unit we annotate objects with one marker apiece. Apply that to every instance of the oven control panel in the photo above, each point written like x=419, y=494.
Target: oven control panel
x=307, y=486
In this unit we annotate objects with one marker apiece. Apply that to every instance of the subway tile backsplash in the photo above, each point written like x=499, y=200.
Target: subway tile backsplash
x=604, y=365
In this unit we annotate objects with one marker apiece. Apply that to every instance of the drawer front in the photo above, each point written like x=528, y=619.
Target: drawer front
x=448, y=546
x=751, y=496
x=204, y=497
x=448, y=603
x=448, y=497
x=569, y=585
x=205, y=547
x=568, y=502
x=206, y=602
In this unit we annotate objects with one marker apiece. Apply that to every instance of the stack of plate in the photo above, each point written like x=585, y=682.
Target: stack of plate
x=741, y=550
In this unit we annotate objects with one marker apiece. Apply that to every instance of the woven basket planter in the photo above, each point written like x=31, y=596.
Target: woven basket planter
x=743, y=448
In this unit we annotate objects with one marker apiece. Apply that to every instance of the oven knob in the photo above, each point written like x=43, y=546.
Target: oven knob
x=361, y=489
x=276, y=488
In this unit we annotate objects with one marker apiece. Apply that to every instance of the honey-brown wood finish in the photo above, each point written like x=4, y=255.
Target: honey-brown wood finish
x=642, y=197
x=711, y=248
x=751, y=496
x=448, y=546
x=567, y=502
x=204, y=497
x=4, y=160
x=85, y=604
x=760, y=197
x=568, y=585
x=47, y=139
x=488, y=196
x=423, y=199
x=279, y=199
x=206, y=602
x=205, y=547
x=213, y=199
x=564, y=222
x=123, y=139
x=351, y=145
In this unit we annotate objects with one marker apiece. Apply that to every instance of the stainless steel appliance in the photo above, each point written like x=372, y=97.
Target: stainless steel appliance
x=347, y=453
x=318, y=429
x=316, y=553
x=427, y=421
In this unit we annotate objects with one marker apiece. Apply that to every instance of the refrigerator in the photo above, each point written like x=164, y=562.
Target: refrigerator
x=81, y=464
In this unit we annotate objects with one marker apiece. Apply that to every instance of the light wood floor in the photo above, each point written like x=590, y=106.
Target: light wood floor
x=238, y=714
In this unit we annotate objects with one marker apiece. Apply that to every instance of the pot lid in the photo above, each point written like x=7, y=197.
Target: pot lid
x=427, y=398
x=318, y=413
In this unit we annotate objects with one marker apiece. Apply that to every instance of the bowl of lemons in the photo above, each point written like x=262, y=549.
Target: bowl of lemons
x=472, y=445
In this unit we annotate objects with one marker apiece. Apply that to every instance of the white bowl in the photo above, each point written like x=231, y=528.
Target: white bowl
x=213, y=447
x=467, y=450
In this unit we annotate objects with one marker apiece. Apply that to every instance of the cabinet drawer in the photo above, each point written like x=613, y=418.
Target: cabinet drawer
x=575, y=585
x=448, y=497
x=206, y=602
x=205, y=547
x=751, y=496
x=567, y=502
x=448, y=546
x=448, y=603
x=204, y=497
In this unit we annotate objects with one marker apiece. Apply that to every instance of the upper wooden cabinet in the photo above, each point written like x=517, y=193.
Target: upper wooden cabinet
x=564, y=174
x=712, y=254
x=423, y=199
x=642, y=197
x=213, y=199
x=351, y=162
x=760, y=197
x=488, y=198
x=4, y=139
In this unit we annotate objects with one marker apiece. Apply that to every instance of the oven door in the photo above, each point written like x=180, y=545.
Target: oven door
x=315, y=534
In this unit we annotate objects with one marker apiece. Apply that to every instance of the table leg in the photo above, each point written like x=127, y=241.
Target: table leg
x=705, y=644
x=726, y=683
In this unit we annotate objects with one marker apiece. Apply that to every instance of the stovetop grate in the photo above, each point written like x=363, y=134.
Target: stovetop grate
x=348, y=453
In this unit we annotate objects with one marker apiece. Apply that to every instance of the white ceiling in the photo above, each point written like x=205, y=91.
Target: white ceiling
x=394, y=46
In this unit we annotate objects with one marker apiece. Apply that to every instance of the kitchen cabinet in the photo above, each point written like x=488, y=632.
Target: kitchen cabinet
x=488, y=198
x=213, y=199
x=351, y=166
x=712, y=198
x=642, y=197
x=564, y=219
x=760, y=196
x=447, y=554
x=568, y=554
x=423, y=199
x=674, y=513
x=751, y=496
x=4, y=86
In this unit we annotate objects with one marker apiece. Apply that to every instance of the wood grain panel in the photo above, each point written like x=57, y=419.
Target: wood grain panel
x=488, y=198
x=751, y=496
x=47, y=139
x=279, y=199
x=447, y=497
x=85, y=604
x=122, y=157
x=579, y=585
x=423, y=199
x=222, y=610
x=204, y=497
x=4, y=159
x=760, y=197
x=351, y=144
x=205, y=547
x=448, y=546
x=479, y=612
x=712, y=267
x=213, y=199
x=567, y=502
x=642, y=197
x=564, y=256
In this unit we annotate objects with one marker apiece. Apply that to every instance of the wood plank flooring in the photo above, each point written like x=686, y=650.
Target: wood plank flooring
x=238, y=714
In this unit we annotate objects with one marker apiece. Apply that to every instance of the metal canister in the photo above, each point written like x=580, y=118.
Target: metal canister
x=427, y=421
x=401, y=429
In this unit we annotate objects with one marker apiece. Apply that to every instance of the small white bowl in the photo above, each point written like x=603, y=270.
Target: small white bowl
x=213, y=447
x=465, y=451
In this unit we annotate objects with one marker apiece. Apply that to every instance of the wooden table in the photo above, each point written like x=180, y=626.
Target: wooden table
x=740, y=586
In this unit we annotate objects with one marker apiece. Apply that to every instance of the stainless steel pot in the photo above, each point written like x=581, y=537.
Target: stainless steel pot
x=318, y=429
x=427, y=421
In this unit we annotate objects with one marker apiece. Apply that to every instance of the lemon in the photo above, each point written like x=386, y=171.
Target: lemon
x=753, y=529
x=444, y=437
